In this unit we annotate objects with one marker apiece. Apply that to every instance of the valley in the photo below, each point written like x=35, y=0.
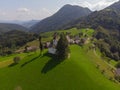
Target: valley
x=83, y=70
x=44, y=46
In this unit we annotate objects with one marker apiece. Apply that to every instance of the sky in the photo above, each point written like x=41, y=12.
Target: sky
x=40, y=9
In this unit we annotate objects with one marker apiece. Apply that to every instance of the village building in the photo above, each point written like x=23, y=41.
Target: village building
x=117, y=74
x=71, y=41
x=31, y=49
x=53, y=44
x=76, y=40
x=47, y=44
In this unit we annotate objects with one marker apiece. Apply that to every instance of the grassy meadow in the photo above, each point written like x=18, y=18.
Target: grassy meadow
x=79, y=72
x=46, y=73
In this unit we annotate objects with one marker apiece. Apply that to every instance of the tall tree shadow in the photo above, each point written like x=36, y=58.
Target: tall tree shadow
x=52, y=63
x=30, y=61
x=12, y=64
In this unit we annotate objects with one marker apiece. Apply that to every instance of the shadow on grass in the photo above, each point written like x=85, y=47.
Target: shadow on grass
x=12, y=64
x=52, y=63
x=30, y=61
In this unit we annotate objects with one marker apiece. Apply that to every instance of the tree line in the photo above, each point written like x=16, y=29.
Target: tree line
x=12, y=40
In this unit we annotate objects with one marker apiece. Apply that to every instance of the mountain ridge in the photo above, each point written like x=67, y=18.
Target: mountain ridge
x=66, y=14
x=5, y=27
x=107, y=18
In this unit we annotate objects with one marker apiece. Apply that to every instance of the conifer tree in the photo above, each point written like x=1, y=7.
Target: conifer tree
x=63, y=50
x=41, y=45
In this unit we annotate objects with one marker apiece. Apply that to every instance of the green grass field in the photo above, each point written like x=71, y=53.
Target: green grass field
x=48, y=35
x=6, y=60
x=45, y=72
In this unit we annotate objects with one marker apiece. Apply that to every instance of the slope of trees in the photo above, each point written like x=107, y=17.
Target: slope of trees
x=12, y=40
x=65, y=15
x=5, y=27
x=108, y=43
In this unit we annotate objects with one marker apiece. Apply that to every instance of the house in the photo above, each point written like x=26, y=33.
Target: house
x=117, y=74
x=47, y=44
x=52, y=50
x=32, y=48
x=77, y=37
x=68, y=38
x=52, y=46
x=84, y=40
x=71, y=41
x=77, y=41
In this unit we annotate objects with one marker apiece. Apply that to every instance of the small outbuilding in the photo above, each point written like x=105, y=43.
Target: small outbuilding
x=117, y=74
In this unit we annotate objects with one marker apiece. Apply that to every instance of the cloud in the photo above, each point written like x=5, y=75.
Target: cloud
x=23, y=10
x=25, y=14
x=96, y=5
x=2, y=13
x=103, y=4
x=45, y=10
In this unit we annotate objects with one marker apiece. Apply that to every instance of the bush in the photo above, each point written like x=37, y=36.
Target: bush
x=103, y=71
x=97, y=66
x=118, y=65
x=117, y=78
x=16, y=59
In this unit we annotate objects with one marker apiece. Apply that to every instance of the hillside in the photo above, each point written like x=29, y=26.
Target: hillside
x=29, y=24
x=26, y=23
x=79, y=72
x=5, y=27
x=65, y=15
x=107, y=25
x=115, y=7
x=107, y=18
x=46, y=73
x=12, y=40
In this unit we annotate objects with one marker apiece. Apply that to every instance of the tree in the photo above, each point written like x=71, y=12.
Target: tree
x=16, y=59
x=0, y=49
x=41, y=45
x=63, y=50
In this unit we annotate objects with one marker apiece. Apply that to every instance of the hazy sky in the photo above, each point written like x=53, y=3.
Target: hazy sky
x=39, y=9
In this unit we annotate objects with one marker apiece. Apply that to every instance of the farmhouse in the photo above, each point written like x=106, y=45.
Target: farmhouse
x=117, y=74
x=47, y=44
x=52, y=46
x=32, y=48
x=71, y=41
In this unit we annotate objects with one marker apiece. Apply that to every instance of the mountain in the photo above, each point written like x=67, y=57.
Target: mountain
x=19, y=22
x=30, y=23
x=66, y=14
x=5, y=27
x=108, y=18
x=26, y=24
x=115, y=7
x=107, y=25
